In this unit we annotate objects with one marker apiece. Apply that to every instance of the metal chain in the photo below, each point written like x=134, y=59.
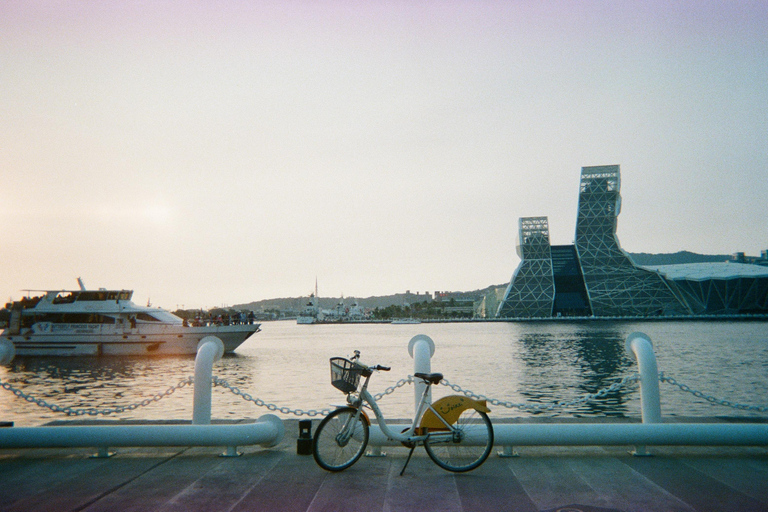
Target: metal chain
x=626, y=381
x=709, y=398
x=272, y=407
x=300, y=412
x=630, y=381
x=391, y=389
x=94, y=411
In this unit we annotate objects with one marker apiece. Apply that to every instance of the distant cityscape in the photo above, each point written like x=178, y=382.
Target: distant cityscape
x=593, y=278
x=439, y=305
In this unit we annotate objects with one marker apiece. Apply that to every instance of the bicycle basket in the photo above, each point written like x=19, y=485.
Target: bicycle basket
x=345, y=375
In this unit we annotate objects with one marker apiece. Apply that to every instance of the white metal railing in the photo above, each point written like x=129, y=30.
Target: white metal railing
x=421, y=348
x=650, y=432
x=268, y=430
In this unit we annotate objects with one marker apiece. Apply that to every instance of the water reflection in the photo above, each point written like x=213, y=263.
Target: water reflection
x=96, y=382
x=564, y=366
x=530, y=363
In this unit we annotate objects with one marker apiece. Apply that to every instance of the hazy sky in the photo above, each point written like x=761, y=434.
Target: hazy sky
x=208, y=153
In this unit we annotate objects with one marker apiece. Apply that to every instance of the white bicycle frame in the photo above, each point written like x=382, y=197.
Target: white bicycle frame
x=407, y=436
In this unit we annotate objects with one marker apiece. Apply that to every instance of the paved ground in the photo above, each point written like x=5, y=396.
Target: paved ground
x=540, y=479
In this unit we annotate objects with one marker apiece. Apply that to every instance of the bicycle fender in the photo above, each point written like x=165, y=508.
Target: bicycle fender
x=450, y=408
x=365, y=417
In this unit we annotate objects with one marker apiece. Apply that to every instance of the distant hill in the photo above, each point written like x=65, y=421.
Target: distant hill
x=382, y=301
x=677, y=258
x=297, y=303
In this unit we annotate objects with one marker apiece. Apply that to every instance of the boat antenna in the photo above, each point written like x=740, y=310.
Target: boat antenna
x=80, y=282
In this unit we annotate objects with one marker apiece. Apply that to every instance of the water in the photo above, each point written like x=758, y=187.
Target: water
x=287, y=364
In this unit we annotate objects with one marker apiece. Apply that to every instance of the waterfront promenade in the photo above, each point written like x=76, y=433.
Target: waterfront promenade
x=277, y=479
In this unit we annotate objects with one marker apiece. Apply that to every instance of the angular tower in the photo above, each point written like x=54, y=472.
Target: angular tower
x=615, y=286
x=531, y=293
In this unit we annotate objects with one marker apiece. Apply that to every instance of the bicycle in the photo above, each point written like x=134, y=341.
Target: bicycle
x=455, y=431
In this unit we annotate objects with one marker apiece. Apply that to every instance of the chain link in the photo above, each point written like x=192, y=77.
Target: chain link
x=272, y=407
x=628, y=381
x=709, y=398
x=301, y=412
x=391, y=389
x=94, y=411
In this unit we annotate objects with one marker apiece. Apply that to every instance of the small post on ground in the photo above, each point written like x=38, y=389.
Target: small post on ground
x=304, y=442
x=507, y=451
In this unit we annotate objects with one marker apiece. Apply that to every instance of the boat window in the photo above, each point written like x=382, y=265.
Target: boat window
x=146, y=317
x=111, y=295
x=65, y=297
x=75, y=318
x=125, y=295
x=93, y=295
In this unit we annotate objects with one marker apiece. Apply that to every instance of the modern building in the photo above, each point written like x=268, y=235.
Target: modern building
x=596, y=277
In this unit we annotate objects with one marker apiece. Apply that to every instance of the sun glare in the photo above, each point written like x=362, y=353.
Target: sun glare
x=158, y=214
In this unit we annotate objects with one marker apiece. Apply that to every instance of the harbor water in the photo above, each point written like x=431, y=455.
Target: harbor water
x=522, y=363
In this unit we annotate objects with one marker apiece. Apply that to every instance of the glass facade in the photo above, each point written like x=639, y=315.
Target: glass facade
x=531, y=293
x=615, y=286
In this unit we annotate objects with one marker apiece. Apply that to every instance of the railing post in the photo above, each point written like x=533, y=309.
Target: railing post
x=209, y=350
x=640, y=345
x=421, y=348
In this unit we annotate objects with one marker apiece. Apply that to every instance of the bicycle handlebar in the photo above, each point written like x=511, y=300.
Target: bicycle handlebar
x=378, y=367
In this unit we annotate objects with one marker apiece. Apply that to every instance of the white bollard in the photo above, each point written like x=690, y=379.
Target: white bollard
x=209, y=350
x=421, y=348
x=640, y=345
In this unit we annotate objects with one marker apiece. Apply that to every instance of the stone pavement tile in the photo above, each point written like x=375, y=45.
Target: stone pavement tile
x=700, y=491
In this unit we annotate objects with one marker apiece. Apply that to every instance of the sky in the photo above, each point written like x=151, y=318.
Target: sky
x=216, y=153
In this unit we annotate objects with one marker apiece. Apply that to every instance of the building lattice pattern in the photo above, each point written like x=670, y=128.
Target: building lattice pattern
x=531, y=293
x=616, y=287
x=743, y=295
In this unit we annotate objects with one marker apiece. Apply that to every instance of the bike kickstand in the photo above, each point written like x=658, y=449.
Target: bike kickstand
x=408, y=459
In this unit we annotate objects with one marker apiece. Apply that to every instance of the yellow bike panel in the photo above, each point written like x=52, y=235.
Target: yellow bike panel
x=450, y=408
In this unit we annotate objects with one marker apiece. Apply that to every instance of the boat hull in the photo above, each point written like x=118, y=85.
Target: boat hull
x=146, y=340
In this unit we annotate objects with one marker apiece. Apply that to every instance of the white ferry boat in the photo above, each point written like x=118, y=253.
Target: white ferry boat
x=106, y=322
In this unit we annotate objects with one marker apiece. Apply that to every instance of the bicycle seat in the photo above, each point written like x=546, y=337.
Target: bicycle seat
x=432, y=378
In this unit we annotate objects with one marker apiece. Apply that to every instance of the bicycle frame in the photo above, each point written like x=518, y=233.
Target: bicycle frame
x=409, y=436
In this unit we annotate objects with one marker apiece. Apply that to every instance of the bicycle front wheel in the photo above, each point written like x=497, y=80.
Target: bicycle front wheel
x=466, y=447
x=340, y=439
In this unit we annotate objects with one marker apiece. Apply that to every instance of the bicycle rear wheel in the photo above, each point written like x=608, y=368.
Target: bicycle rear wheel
x=467, y=448
x=340, y=439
